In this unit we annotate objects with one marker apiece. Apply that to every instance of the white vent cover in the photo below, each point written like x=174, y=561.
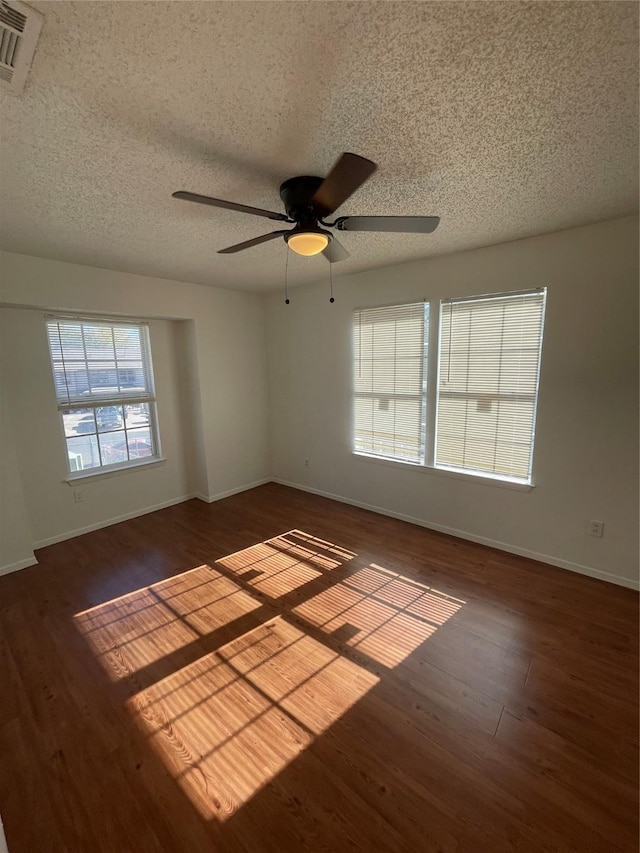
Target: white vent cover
x=20, y=27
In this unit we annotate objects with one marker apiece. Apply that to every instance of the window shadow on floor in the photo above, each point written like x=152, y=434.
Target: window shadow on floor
x=263, y=686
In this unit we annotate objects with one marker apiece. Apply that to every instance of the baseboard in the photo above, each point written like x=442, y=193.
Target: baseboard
x=43, y=543
x=15, y=567
x=470, y=537
x=221, y=495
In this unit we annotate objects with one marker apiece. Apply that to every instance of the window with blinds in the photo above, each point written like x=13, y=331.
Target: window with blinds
x=104, y=388
x=489, y=364
x=390, y=359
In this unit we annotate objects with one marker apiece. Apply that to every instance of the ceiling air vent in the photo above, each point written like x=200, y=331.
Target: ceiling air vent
x=20, y=27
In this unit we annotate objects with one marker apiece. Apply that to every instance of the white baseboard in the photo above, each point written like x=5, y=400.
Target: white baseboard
x=451, y=531
x=481, y=540
x=43, y=543
x=15, y=567
x=209, y=499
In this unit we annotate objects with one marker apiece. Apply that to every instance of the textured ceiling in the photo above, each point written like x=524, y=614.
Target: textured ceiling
x=505, y=119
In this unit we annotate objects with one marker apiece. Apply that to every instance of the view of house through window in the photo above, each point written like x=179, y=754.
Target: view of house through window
x=104, y=388
x=479, y=417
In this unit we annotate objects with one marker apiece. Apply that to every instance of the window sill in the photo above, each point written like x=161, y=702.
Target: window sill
x=444, y=472
x=104, y=473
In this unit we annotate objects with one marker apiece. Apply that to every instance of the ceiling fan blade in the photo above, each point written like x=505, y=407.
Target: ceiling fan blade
x=349, y=173
x=229, y=205
x=335, y=251
x=404, y=224
x=249, y=243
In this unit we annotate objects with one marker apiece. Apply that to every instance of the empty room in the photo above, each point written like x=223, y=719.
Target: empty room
x=319, y=427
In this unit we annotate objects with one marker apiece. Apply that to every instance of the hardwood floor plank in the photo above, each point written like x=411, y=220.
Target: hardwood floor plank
x=38, y=829
x=277, y=671
x=389, y=790
x=605, y=796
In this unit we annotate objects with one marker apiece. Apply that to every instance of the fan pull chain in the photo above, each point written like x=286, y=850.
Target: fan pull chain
x=286, y=267
x=331, y=299
x=449, y=353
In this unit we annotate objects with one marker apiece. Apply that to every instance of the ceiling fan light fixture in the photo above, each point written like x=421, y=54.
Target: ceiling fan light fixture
x=308, y=243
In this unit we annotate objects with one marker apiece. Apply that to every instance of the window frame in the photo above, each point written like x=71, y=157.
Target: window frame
x=420, y=396
x=146, y=395
x=433, y=355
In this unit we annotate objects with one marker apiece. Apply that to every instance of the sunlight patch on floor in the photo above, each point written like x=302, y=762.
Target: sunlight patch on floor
x=233, y=671
x=292, y=550
x=387, y=616
x=136, y=630
x=229, y=723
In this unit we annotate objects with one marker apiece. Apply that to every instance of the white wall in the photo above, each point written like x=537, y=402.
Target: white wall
x=586, y=456
x=38, y=436
x=208, y=349
x=16, y=551
x=220, y=426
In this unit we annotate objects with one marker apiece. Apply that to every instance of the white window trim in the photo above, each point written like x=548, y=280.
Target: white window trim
x=105, y=471
x=431, y=397
x=417, y=395
x=480, y=479
x=114, y=470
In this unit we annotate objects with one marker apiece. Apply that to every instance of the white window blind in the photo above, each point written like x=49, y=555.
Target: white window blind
x=488, y=383
x=100, y=361
x=389, y=381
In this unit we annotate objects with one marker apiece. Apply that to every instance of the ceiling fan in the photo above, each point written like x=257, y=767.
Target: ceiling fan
x=308, y=200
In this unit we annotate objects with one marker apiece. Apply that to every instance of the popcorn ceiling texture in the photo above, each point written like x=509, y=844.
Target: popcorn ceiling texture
x=505, y=119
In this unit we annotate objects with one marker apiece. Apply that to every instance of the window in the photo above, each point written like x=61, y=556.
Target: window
x=488, y=384
x=478, y=416
x=105, y=393
x=390, y=365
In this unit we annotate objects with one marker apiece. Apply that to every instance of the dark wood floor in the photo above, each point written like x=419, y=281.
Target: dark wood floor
x=278, y=672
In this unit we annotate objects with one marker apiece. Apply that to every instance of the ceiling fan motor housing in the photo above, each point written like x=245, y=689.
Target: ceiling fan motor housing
x=296, y=195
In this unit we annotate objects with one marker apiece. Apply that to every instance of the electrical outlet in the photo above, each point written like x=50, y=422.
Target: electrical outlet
x=306, y=463
x=596, y=528
x=78, y=495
